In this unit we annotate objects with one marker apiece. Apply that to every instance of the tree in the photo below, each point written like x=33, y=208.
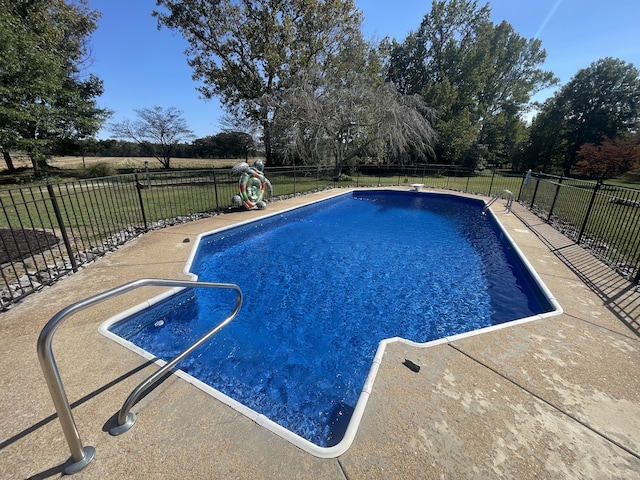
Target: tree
x=601, y=101
x=244, y=144
x=546, y=145
x=204, y=147
x=608, y=159
x=245, y=51
x=358, y=119
x=224, y=145
x=156, y=130
x=117, y=148
x=502, y=133
x=245, y=126
x=46, y=101
x=474, y=73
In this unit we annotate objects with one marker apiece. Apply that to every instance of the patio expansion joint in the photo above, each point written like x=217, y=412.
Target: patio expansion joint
x=342, y=469
x=546, y=402
x=635, y=337
x=618, y=294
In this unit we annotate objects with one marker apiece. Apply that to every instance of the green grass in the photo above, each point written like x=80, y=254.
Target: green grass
x=92, y=211
x=624, y=183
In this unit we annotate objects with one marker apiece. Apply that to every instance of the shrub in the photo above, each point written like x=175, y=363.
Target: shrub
x=99, y=170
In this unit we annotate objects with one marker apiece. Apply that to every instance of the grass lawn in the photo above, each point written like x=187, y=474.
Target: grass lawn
x=94, y=210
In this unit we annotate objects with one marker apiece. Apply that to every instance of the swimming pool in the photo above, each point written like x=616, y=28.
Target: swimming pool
x=323, y=286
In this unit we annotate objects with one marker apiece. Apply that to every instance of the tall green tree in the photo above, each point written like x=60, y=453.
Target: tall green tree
x=546, y=146
x=600, y=101
x=246, y=50
x=46, y=99
x=502, y=136
x=477, y=75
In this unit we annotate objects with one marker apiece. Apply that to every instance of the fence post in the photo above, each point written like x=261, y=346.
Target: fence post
x=63, y=230
x=555, y=197
x=215, y=189
x=493, y=175
x=521, y=185
x=535, y=190
x=148, y=175
x=586, y=216
x=294, y=179
x=139, y=188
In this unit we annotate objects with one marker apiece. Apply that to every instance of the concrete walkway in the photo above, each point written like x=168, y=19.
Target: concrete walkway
x=556, y=398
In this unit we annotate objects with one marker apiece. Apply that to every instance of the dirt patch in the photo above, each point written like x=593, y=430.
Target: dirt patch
x=16, y=244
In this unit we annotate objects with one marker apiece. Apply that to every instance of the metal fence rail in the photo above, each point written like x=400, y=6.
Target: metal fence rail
x=603, y=218
x=50, y=230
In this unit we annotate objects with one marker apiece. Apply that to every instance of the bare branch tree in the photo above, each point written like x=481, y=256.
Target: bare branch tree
x=156, y=130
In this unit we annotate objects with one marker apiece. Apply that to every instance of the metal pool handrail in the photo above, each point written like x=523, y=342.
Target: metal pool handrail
x=80, y=455
x=496, y=197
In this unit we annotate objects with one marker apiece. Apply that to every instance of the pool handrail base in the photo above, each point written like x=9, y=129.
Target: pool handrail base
x=123, y=427
x=506, y=192
x=89, y=452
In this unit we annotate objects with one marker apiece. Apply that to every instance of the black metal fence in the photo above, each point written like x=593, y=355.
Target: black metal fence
x=603, y=218
x=50, y=230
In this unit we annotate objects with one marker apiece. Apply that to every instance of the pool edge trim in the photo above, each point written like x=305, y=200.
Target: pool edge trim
x=367, y=389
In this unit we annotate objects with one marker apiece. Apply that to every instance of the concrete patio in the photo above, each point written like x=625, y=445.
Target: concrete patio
x=554, y=398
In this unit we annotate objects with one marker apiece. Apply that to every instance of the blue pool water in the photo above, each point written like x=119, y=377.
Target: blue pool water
x=323, y=285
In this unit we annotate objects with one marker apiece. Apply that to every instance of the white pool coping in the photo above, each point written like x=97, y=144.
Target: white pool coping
x=356, y=417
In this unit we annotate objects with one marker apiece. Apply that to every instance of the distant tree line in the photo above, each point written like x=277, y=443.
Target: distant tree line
x=221, y=145
x=300, y=84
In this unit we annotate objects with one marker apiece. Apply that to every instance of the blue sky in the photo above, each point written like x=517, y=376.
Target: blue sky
x=142, y=66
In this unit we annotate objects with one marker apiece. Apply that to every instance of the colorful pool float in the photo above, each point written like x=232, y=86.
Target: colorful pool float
x=253, y=186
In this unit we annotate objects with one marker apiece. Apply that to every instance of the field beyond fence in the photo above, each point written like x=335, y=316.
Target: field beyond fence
x=50, y=230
